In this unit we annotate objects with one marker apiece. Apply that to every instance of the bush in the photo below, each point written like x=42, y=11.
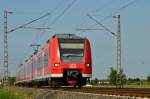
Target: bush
x=112, y=77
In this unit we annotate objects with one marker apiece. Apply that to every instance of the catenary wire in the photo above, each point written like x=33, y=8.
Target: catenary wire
x=113, y=13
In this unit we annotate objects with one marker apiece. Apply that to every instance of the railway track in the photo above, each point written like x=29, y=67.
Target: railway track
x=132, y=92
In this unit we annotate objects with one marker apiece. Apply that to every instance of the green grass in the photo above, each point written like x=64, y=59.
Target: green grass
x=5, y=93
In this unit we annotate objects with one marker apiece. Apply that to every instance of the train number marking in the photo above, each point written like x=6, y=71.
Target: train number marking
x=73, y=65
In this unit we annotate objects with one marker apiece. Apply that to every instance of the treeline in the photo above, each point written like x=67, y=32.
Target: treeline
x=12, y=81
x=112, y=77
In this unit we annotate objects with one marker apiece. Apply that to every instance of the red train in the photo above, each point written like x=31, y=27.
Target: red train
x=64, y=61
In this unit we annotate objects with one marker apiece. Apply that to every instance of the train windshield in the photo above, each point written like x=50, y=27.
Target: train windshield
x=72, y=50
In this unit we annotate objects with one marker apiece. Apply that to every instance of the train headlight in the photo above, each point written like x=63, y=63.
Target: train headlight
x=87, y=65
x=56, y=64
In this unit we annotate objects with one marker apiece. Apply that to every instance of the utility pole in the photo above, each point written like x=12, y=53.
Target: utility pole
x=1, y=74
x=5, y=78
x=119, y=83
x=5, y=49
x=119, y=74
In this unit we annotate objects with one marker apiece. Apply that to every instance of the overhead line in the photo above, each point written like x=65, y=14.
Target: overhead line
x=29, y=22
x=101, y=24
x=69, y=6
x=37, y=28
x=42, y=32
x=82, y=29
x=37, y=35
x=24, y=25
x=118, y=10
x=101, y=8
x=105, y=5
x=58, y=5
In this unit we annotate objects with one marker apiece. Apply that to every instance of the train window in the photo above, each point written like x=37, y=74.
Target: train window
x=24, y=71
x=35, y=65
x=31, y=68
x=28, y=68
x=42, y=61
x=45, y=59
x=39, y=62
x=49, y=51
x=18, y=74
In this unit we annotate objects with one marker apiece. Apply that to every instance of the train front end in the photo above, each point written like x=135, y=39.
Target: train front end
x=72, y=60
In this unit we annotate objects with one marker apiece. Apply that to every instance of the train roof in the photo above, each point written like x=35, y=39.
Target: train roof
x=67, y=36
x=60, y=36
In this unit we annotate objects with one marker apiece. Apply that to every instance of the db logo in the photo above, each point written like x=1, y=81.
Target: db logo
x=73, y=65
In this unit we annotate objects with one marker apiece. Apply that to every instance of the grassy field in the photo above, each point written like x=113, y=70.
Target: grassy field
x=34, y=93
x=21, y=93
x=6, y=93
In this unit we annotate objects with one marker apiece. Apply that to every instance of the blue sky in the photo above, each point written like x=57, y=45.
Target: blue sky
x=135, y=22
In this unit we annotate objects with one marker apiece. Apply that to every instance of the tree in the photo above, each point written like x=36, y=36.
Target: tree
x=12, y=80
x=137, y=81
x=148, y=78
x=113, y=76
x=123, y=77
x=95, y=81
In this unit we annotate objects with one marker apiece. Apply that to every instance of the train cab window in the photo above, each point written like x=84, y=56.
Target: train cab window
x=72, y=47
x=72, y=50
